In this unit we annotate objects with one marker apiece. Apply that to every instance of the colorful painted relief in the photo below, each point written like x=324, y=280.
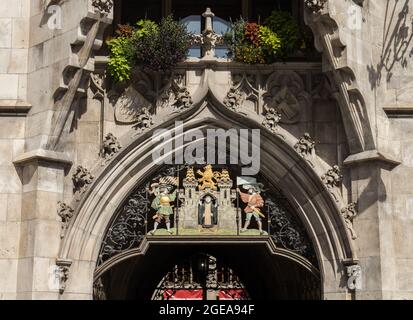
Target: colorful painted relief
x=206, y=202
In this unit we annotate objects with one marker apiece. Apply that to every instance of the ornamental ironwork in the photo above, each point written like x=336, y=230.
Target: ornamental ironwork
x=201, y=277
x=286, y=231
x=204, y=200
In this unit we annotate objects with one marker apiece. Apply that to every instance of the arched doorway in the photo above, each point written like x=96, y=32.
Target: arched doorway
x=308, y=203
x=137, y=263
x=238, y=272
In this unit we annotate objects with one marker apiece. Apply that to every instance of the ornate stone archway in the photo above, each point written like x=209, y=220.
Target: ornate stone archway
x=316, y=205
x=319, y=208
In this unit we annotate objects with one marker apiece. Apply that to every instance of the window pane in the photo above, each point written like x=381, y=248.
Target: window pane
x=229, y=9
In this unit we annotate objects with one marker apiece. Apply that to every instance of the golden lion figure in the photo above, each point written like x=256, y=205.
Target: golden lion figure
x=208, y=177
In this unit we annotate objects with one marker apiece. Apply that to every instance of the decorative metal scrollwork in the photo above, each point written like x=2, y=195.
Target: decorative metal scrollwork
x=287, y=232
x=129, y=227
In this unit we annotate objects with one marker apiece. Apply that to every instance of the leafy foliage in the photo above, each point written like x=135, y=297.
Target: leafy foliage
x=287, y=29
x=154, y=47
x=252, y=43
x=164, y=46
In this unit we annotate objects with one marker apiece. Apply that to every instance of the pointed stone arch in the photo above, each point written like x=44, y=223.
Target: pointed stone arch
x=281, y=164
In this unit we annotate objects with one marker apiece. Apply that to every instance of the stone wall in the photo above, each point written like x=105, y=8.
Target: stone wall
x=35, y=73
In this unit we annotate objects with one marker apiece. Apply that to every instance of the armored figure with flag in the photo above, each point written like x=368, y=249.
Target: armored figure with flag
x=253, y=200
x=163, y=202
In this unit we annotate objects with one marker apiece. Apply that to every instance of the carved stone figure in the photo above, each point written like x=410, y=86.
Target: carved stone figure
x=183, y=99
x=272, y=119
x=333, y=177
x=348, y=214
x=110, y=147
x=65, y=212
x=354, y=277
x=82, y=178
x=62, y=273
x=143, y=120
x=305, y=146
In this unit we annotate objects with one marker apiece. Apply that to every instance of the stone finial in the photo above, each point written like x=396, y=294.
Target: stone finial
x=208, y=39
x=65, y=212
x=315, y=5
x=103, y=6
x=348, y=213
x=305, y=146
x=333, y=177
x=82, y=178
x=354, y=277
x=62, y=273
x=110, y=147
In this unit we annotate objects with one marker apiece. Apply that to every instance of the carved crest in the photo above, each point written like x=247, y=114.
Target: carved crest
x=286, y=94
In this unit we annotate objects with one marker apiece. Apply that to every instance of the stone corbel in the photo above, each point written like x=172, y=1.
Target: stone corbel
x=62, y=273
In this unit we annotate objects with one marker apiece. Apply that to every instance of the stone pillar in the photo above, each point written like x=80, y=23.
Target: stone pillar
x=42, y=180
x=371, y=189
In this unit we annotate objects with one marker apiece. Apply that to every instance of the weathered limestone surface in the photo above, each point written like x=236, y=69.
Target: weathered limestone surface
x=37, y=65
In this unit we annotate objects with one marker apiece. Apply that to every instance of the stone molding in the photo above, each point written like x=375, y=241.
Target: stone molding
x=43, y=155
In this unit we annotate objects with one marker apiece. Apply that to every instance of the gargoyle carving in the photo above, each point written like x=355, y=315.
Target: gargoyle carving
x=332, y=180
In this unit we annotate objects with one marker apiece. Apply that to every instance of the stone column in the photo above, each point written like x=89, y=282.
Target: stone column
x=371, y=189
x=42, y=175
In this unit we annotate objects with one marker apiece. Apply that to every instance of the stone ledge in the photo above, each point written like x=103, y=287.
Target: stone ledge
x=371, y=155
x=400, y=111
x=43, y=155
x=14, y=107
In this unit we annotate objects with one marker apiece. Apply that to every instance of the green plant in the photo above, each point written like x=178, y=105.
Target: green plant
x=287, y=29
x=162, y=48
x=153, y=47
x=252, y=43
x=121, y=58
x=270, y=43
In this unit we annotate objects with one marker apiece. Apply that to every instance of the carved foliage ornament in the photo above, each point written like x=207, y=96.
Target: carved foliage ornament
x=305, y=146
x=82, y=178
x=354, y=277
x=110, y=147
x=103, y=6
x=333, y=177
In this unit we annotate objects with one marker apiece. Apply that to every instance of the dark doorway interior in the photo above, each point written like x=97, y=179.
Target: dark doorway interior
x=264, y=276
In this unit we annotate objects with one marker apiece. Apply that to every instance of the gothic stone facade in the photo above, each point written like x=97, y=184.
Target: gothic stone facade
x=70, y=154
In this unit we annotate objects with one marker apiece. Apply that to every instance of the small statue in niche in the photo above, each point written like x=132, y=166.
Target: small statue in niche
x=208, y=212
